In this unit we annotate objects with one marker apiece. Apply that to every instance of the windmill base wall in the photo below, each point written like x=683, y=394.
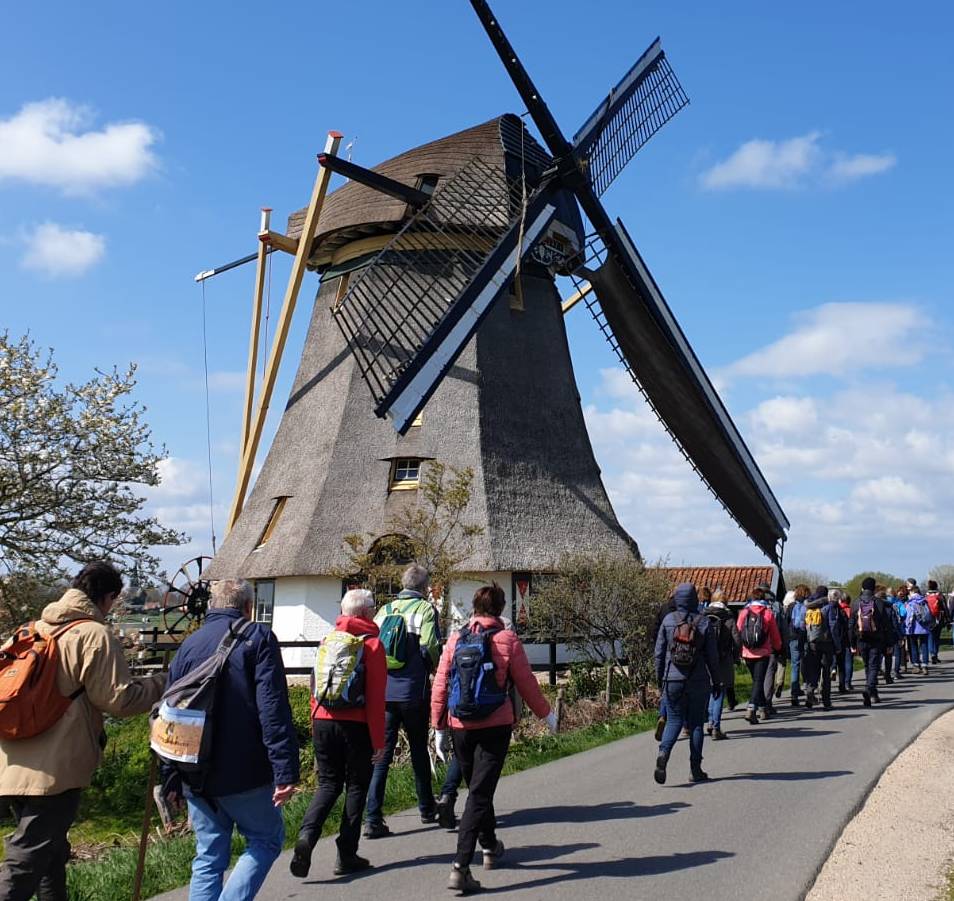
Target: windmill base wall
x=305, y=609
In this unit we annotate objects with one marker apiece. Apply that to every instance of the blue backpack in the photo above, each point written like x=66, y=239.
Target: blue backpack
x=474, y=692
x=798, y=616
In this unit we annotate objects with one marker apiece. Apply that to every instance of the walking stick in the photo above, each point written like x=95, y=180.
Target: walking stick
x=146, y=823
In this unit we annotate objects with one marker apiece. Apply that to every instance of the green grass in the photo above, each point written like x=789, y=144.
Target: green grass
x=168, y=863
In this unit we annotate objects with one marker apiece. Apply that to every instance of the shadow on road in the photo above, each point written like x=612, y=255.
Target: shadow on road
x=782, y=731
x=797, y=776
x=583, y=813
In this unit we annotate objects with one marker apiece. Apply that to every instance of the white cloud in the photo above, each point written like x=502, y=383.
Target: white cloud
x=861, y=165
x=226, y=381
x=766, y=164
x=838, y=338
x=785, y=414
x=791, y=163
x=59, y=252
x=180, y=480
x=888, y=491
x=52, y=143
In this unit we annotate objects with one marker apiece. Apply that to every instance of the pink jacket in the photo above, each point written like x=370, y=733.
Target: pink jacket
x=510, y=660
x=773, y=640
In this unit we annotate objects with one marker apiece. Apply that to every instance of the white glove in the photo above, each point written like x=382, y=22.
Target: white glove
x=551, y=721
x=442, y=744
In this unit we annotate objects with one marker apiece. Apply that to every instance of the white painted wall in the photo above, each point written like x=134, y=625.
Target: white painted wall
x=305, y=610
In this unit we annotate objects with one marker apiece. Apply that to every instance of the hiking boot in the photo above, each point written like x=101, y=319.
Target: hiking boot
x=376, y=830
x=875, y=698
x=887, y=679
x=753, y=717
x=660, y=728
x=697, y=774
x=301, y=859
x=778, y=692
x=492, y=856
x=809, y=699
x=445, y=813
x=866, y=698
x=659, y=774
x=935, y=660
x=428, y=818
x=766, y=714
x=345, y=866
x=461, y=880
x=709, y=728
x=795, y=702
x=718, y=734
x=918, y=671
x=685, y=732
x=827, y=707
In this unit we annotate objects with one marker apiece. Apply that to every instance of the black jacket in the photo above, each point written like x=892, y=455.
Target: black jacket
x=884, y=637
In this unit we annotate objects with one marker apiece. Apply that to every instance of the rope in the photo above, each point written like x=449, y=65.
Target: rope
x=268, y=307
x=208, y=418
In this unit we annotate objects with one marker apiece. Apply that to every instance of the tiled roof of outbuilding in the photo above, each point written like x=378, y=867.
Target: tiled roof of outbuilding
x=736, y=581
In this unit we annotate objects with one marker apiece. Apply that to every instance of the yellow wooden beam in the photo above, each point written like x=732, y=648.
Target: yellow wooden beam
x=260, y=268
x=318, y=193
x=575, y=298
x=279, y=241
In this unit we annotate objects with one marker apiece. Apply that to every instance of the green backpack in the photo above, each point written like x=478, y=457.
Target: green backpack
x=392, y=628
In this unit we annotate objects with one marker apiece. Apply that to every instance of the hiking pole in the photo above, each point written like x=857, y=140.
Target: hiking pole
x=146, y=823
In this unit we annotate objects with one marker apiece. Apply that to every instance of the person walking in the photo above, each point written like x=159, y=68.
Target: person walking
x=918, y=625
x=687, y=666
x=728, y=645
x=664, y=609
x=820, y=616
x=479, y=713
x=937, y=604
x=347, y=732
x=253, y=761
x=43, y=776
x=844, y=655
x=795, y=621
x=760, y=639
x=775, y=673
x=901, y=608
x=870, y=632
x=411, y=636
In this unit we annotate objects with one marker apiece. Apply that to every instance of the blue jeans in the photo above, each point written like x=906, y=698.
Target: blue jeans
x=934, y=642
x=918, y=650
x=715, y=709
x=452, y=780
x=685, y=705
x=845, y=663
x=260, y=823
x=795, y=647
x=414, y=717
x=898, y=656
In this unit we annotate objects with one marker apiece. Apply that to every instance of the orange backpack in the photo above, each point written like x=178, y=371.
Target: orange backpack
x=30, y=702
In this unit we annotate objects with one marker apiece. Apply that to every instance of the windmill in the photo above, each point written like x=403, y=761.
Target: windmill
x=438, y=333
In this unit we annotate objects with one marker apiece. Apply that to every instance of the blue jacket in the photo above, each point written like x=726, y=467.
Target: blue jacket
x=912, y=626
x=253, y=739
x=410, y=683
x=706, y=665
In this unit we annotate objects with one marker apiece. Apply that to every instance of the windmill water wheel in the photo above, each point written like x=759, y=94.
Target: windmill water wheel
x=186, y=600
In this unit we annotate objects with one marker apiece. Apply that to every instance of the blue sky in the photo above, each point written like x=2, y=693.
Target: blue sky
x=798, y=216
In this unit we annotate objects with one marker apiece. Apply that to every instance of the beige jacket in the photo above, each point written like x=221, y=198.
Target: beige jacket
x=66, y=755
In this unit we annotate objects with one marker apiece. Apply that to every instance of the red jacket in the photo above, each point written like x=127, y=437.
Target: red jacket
x=773, y=638
x=375, y=683
x=510, y=661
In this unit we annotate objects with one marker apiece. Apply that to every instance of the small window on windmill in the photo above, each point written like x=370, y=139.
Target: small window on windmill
x=427, y=183
x=272, y=521
x=405, y=473
x=418, y=421
x=264, y=600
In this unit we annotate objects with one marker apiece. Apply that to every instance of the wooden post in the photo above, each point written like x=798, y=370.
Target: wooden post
x=552, y=669
x=260, y=269
x=281, y=331
x=146, y=821
x=609, y=684
x=558, y=707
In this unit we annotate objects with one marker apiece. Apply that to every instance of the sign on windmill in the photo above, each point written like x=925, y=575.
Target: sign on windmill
x=406, y=331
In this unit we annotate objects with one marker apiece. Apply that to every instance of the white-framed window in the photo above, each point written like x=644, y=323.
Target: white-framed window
x=405, y=473
x=264, y=600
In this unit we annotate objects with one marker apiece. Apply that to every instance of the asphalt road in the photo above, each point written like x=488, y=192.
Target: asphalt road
x=597, y=825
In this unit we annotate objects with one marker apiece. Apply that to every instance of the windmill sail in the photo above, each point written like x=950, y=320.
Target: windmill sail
x=646, y=98
x=400, y=321
x=654, y=349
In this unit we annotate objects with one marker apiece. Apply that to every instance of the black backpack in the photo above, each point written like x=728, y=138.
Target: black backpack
x=684, y=645
x=724, y=640
x=754, y=631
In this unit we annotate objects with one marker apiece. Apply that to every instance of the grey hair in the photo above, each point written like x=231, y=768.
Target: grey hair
x=718, y=596
x=835, y=595
x=415, y=578
x=356, y=601
x=232, y=594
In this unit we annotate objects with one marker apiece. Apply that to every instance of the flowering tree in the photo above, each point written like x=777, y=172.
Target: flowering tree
x=71, y=460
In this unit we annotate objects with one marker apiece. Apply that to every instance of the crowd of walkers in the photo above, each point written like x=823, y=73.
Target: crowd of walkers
x=222, y=728
x=815, y=634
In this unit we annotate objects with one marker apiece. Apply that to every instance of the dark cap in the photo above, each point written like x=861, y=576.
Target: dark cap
x=868, y=584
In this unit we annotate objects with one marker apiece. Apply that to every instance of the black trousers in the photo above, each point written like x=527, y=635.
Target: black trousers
x=758, y=667
x=817, y=663
x=481, y=753
x=343, y=756
x=871, y=655
x=38, y=850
